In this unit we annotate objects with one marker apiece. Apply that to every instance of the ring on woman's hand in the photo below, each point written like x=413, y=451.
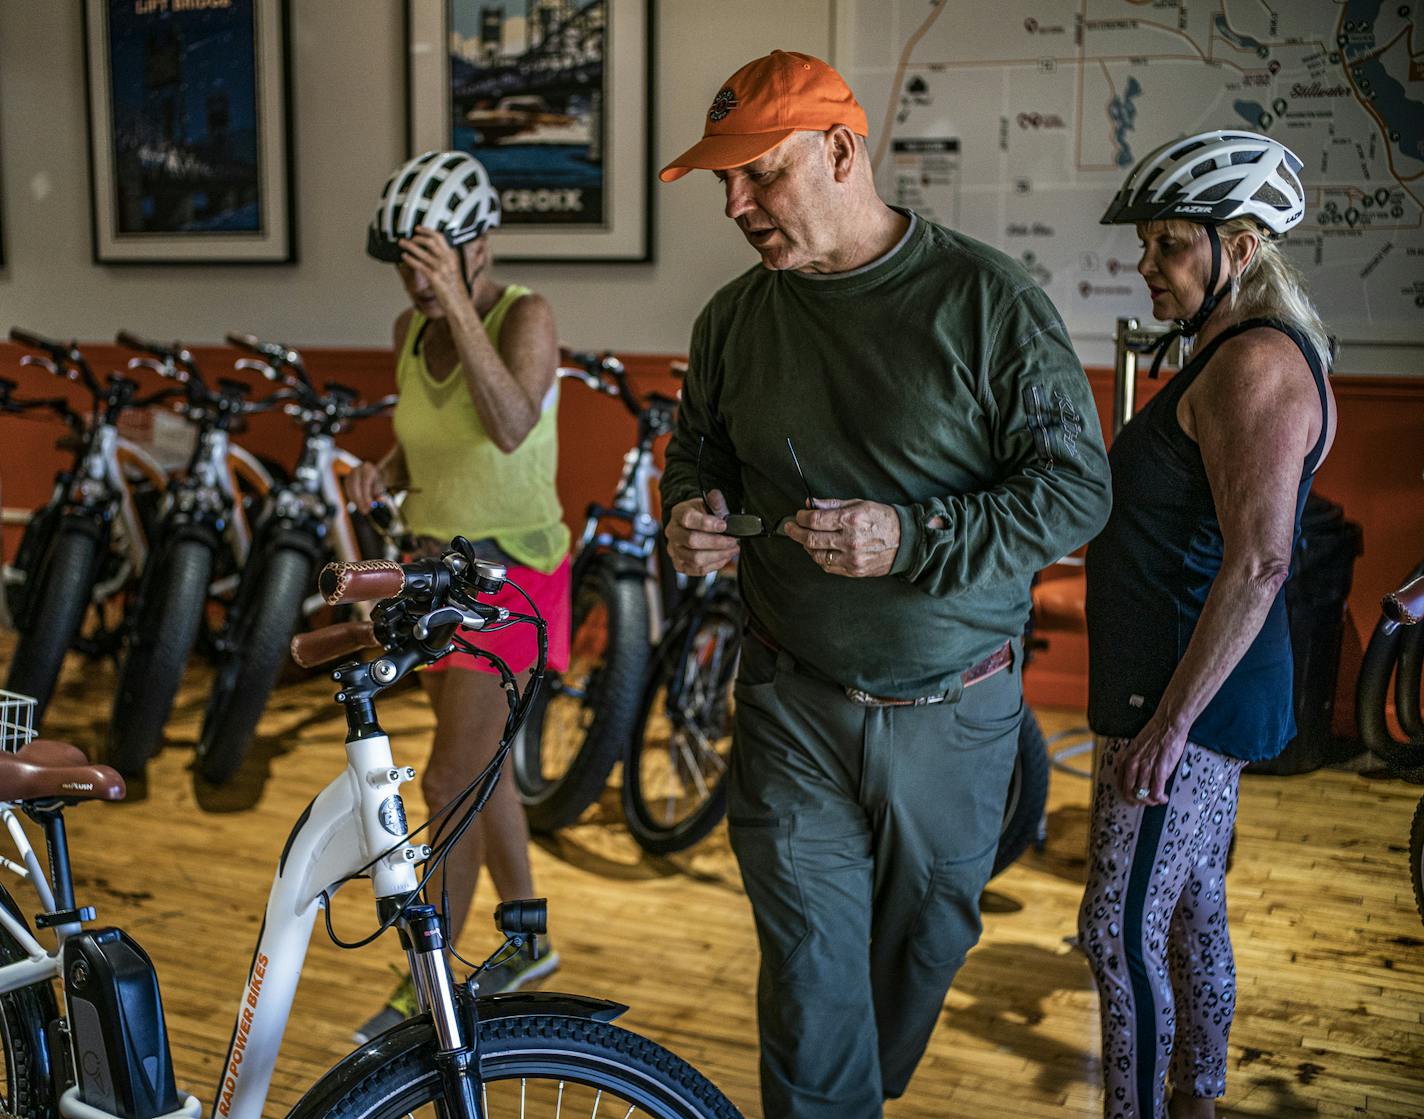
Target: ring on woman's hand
x=1142, y=792
x=827, y=556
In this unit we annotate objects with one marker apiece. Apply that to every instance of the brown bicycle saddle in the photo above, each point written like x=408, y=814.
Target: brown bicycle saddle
x=46, y=768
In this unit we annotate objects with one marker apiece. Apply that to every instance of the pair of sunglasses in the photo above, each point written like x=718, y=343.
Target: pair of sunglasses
x=748, y=525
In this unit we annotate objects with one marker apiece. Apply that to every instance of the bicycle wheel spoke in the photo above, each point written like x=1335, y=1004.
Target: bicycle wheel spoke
x=696, y=771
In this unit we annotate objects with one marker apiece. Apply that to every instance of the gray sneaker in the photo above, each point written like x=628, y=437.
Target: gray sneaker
x=400, y=1006
x=521, y=968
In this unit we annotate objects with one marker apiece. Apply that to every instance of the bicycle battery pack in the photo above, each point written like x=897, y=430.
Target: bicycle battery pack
x=116, y=1021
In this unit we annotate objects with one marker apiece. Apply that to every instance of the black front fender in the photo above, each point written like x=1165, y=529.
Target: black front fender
x=419, y=1033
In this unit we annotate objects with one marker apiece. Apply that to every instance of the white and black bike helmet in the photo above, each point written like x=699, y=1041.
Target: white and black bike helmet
x=446, y=191
x=1210, y=178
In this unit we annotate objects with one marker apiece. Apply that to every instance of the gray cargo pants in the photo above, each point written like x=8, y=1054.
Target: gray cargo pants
x=865, y=836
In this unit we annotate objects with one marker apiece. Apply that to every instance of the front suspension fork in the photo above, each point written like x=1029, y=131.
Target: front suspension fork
x=457, y=1029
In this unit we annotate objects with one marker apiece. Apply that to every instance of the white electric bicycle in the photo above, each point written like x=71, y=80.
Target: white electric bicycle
x=106, y=1054
x=88, y=543
x=304, y=522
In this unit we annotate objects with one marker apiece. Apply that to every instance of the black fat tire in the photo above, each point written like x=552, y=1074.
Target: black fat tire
x=607, y=711
x=29, y=559
x=1416, y=857
x=1028, y=794
x=170, y=613
x=24, y=1013
x=653, y=835
x=66, y=581
x=544, y=1047
x=247, y=675
x=1382, y=655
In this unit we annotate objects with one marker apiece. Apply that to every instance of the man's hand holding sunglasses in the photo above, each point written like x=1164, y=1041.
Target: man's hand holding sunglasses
x=696, y=535
x=856, y=538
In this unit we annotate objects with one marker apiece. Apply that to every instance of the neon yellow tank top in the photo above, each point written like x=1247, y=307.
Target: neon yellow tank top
x=461, y=482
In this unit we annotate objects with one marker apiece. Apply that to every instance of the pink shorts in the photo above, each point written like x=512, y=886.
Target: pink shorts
x=517, y=645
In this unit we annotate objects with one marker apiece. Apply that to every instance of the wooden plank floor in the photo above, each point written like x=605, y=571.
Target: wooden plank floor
x=1330, y=949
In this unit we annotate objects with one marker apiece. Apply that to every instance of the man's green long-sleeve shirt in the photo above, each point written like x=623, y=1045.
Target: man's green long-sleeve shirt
x=938, y=379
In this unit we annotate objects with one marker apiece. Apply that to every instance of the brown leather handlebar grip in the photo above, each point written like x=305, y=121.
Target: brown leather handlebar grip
x=1406, y=605
x=326, y=644
x=360, y=581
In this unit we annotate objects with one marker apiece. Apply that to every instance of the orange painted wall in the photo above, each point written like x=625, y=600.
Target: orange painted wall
x=1376, y=470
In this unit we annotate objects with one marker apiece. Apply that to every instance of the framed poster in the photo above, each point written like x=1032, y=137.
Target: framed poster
x=189, y=131
x=552, y=96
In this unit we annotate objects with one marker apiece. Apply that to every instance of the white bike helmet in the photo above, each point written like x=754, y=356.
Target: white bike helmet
x=1211, y=178
x=445, y=191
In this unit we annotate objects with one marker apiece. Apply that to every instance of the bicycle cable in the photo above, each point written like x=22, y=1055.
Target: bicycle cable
x=481, y=786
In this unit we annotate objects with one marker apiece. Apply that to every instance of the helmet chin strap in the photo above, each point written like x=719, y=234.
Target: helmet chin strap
x=1189, y=328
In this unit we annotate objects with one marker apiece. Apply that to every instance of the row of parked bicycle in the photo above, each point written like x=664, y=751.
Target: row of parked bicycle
x=221, y=557
x=222, y=554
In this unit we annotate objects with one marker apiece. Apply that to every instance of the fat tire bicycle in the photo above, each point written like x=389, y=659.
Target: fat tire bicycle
x=203, y=533
x=106, y=1055
x=623, y=589
x=303, y=522
x=89, y=542
x=1396, y=649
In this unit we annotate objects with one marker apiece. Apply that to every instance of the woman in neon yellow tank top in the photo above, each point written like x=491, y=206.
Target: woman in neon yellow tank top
x=475, y=447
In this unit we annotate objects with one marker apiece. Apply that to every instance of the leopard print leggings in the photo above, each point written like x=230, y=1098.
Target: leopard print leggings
x=1153, y=924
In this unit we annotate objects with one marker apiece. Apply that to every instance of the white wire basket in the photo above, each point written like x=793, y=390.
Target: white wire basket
x=17, y=720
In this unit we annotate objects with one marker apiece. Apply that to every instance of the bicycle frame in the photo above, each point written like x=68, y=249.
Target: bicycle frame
x=218, y=464
x=633, y=506
x=102, y=465
x=354, y=819
x=320, y=475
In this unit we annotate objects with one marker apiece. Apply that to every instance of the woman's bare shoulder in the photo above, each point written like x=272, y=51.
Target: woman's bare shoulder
x=402, y=327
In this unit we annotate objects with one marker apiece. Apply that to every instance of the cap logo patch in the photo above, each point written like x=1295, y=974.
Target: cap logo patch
x=722, y=104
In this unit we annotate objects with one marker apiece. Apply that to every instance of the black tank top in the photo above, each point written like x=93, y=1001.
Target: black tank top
x=1151, y=568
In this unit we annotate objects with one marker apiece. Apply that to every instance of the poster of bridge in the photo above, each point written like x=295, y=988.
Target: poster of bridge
x=188, y=140
x=526, y=98
x=551, y=96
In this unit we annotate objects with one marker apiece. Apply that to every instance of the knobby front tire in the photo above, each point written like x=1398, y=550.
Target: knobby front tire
x=55, y=615
x=170, y=614
x=1416, y=857
x=248, y=673
x=1382, y=659
x=582, y=719
x=540, y=1066
x=24, y=1013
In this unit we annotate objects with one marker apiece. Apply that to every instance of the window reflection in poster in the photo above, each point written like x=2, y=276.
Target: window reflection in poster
x=188, y=130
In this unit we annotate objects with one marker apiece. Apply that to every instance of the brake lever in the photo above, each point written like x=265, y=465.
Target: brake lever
x=477, y=617
x=162, y=368
x=252, y=365
x=46, y=364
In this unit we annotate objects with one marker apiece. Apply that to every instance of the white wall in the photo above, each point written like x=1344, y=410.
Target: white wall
x=349, y=109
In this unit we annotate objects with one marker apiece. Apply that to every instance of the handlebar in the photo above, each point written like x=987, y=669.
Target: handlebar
x=343, y=639
x=360, y=581
x=34, y=341
x=176, y=354
x=64, y=359
x=425, y=601
x=1405, y=606
x=272, y=350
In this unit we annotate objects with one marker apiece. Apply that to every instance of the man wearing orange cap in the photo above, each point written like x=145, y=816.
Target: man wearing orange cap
x=950, y=449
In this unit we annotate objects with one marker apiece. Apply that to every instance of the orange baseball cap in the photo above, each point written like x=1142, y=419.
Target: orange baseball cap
x=762, y=104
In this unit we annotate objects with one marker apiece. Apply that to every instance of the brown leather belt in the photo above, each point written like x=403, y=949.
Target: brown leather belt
x=1000, y=659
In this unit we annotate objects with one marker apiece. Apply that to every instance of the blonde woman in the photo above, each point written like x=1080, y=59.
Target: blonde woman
x=476, y=431
x=1189, y=645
